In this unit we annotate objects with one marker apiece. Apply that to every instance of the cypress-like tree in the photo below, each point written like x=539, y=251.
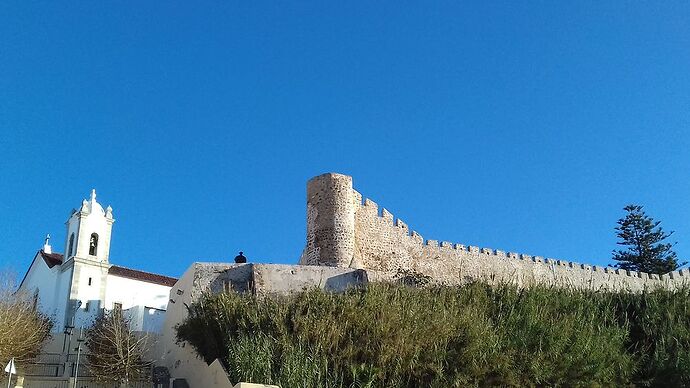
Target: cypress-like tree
x=643, y=238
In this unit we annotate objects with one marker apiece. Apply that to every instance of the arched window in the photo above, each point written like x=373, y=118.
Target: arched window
x=71, y=246
x=93, y=244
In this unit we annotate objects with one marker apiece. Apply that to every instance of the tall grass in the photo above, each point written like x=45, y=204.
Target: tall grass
x=389, y=335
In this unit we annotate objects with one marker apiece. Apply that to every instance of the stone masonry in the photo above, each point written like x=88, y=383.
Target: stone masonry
x=344, y=231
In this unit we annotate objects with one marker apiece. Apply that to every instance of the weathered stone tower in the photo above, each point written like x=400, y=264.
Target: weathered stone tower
x=331, y=207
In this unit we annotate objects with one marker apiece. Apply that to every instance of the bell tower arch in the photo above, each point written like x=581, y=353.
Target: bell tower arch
x=89, y=231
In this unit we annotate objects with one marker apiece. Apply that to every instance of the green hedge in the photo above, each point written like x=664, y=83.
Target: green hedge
x=389, y=335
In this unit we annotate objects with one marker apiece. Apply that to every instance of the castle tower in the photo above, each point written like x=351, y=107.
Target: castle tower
x=88, y=231
x=331, y=206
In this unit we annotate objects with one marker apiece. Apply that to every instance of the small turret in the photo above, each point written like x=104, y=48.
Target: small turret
x=331, y=206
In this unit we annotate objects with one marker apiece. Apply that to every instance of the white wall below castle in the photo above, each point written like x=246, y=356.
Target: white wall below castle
x=181, y=361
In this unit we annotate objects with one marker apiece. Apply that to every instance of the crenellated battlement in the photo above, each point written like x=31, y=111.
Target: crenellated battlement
x=371, y=237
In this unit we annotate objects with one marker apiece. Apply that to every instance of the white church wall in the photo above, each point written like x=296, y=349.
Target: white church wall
x=144, y=318
x=135, y=315
x=88, y=287
x=153, y=319
x=48, y=282
x=37, y=278
x=62, y=286
x=139, y=297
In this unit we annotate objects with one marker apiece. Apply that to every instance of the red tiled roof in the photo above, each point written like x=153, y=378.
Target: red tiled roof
x=51, y=259
x=141, y=275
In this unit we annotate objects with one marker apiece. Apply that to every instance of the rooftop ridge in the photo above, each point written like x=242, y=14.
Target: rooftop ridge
x=136, y=274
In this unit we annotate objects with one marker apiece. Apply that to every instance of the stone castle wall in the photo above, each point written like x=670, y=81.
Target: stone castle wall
x=344, y=231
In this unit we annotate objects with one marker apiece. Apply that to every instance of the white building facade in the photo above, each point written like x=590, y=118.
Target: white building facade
x=76, y=287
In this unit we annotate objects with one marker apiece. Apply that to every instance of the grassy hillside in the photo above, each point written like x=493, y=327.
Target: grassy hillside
x=391, y=335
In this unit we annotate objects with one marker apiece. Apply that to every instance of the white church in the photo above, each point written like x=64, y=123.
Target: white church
x=75, y=287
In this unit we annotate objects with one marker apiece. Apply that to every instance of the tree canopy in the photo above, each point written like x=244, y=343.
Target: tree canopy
x=643, y=239
x=23, y=329
x=116, y=353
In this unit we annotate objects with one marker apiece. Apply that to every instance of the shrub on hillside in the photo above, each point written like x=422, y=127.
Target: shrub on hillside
x=659, y=335
x=116, y=353
x=390, y=335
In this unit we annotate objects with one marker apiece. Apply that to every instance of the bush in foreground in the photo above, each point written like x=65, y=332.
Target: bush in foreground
x=116, y=353
x=23, y=329
x=389, y=335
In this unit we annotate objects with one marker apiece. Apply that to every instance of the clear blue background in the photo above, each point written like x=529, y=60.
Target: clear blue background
x=522, y=127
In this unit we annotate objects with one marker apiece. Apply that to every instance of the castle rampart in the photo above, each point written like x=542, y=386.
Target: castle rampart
x=343, y=230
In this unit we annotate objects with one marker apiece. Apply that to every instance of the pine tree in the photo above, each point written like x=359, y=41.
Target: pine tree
x=643, y=238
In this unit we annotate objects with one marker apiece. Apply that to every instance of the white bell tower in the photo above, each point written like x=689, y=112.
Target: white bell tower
x=88, y=231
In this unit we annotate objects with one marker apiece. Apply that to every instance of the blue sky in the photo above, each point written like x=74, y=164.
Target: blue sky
x=521, y=127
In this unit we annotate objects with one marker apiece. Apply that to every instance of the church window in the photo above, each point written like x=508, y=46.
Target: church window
x=93, y=244
x=71, y=245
